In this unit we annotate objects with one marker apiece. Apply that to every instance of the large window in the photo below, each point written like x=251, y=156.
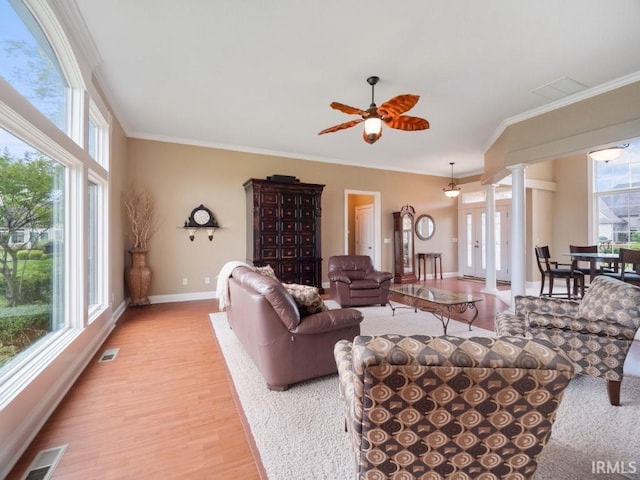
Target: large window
x=29, y=64
x=53, y=195
x=617, y=200
x=31, y=266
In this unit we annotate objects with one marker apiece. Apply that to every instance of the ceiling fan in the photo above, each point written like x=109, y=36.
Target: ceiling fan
x=389, y=113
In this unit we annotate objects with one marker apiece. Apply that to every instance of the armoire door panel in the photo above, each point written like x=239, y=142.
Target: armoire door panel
x=308, y=252
x=288, y=213
x=269, y=225
x=289, y=226
x=269, y=253
x=269, y=211
x=267, y=197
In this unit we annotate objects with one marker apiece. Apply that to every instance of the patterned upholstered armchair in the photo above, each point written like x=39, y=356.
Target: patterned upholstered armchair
x=445, y=407
x=595, y=332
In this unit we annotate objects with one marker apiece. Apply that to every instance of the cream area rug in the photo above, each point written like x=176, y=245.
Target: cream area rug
x=300, y=432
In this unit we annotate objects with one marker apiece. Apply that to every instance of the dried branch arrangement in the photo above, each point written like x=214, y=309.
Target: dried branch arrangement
x=141, y=217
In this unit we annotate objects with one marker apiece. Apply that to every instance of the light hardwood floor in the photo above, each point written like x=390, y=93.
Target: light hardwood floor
x=164, y=408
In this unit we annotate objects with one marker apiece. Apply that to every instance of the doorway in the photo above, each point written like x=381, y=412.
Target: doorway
x=362, y=231
x=473, y=245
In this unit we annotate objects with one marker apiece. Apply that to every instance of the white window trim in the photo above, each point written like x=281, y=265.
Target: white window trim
x=103, y=133
x=22, y=119
x=104, y=258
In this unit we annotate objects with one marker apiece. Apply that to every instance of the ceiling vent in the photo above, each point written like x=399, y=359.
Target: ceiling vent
x=563, y=87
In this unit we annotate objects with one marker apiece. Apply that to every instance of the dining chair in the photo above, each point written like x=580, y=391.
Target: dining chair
x=629, y=270
x=552, y=269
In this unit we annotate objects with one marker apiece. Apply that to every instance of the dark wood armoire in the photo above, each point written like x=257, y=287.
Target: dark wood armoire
x=283, y=228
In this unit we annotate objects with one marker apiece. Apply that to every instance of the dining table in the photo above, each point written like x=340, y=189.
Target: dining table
x=593, y=258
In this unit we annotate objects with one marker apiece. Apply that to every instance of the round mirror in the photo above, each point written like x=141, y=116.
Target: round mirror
x=425, y=227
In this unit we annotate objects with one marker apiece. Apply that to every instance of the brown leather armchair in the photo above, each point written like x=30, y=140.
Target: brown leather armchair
x=286, y=347
x=353, y=281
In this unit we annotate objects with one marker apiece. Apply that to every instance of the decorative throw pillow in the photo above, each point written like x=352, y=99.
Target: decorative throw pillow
x=267, y=271
x=307, y=298
x=611, y=301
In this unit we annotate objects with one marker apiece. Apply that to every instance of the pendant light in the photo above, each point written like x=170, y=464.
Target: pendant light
x=452, y=190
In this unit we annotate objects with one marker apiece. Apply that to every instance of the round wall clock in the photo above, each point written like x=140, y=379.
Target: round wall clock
x=201, y=216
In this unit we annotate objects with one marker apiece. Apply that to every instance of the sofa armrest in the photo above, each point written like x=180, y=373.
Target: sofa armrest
x=351, y=389
x=339, y=277
x=580, y=325
x=328, y=320
x=379, y=277
x=546, y=305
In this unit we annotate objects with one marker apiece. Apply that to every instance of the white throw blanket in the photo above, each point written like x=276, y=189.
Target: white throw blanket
x=222, y=287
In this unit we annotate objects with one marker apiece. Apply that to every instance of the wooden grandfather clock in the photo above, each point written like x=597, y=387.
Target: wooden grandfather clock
x=403, y=246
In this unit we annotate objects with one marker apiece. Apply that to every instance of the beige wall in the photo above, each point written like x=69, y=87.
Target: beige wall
x=570, y=215
x=181, y=177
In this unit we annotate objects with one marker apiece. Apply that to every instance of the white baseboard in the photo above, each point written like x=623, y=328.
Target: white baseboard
x=182, y=297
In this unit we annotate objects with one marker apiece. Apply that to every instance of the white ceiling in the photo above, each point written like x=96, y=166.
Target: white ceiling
x=258, y=76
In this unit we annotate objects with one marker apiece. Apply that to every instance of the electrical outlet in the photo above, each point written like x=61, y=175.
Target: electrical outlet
x=185, y=281
x=207, y=280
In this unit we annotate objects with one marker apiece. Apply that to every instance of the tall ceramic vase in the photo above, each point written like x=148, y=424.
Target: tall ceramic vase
x=138, y=278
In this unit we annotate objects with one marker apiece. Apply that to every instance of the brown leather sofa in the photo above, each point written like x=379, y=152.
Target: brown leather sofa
x=353, y=281
x=285, y=347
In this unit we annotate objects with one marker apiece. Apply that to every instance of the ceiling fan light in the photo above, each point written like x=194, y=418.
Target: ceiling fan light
x=608, y=154
x=372, y=126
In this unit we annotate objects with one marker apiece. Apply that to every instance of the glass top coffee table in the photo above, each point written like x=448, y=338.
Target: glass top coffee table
x=436, y=301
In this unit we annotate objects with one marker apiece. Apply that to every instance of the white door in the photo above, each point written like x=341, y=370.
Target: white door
x=364, y=231
x=474, y=242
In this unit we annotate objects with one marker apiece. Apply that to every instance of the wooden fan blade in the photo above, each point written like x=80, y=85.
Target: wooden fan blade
x=342, y=126
x=404, y=122
x=374, y=140
x=398, y=105
x=347, y=109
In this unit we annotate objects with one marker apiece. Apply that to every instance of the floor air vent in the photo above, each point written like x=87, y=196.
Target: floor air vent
x=109, y=355
x=44, y=464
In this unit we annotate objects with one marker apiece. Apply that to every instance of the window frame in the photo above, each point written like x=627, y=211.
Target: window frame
x=594, y=197
x=22, y=119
